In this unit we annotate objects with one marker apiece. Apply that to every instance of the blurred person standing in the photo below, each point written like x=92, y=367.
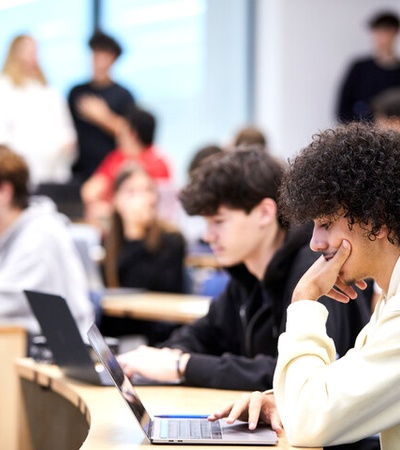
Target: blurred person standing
x=371, y=75
x=34, y=118
x=97, y=107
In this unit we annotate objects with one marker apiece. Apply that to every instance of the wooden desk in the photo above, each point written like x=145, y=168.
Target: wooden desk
x=96, y=418
x=202, y=260
x=181, y=308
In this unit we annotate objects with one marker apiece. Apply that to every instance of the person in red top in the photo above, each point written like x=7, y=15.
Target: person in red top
x=135, y=146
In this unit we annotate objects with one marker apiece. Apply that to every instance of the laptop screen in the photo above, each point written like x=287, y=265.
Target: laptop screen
x=120, y=379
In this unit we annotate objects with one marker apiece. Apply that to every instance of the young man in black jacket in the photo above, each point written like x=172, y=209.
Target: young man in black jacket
x=97, y=107
x=235, y=345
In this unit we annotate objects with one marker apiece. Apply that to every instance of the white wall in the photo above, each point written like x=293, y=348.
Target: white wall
x=303, y=48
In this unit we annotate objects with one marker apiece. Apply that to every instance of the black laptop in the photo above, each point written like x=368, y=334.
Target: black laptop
x=75, y=358
x=63, y=338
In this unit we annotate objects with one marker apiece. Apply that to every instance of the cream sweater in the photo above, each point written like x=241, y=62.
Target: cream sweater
x=323, y=401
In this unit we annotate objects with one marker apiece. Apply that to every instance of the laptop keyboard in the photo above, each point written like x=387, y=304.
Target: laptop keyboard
x=190, y=429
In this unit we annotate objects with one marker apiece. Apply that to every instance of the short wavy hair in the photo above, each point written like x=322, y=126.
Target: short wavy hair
x=14, y=170
x=239, y=179
x=351, y=171
x=104, y=42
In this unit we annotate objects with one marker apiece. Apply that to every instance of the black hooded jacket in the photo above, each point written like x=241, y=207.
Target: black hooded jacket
x=235, y=345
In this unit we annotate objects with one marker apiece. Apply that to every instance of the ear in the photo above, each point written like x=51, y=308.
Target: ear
x=268, y=210
x=6, y=193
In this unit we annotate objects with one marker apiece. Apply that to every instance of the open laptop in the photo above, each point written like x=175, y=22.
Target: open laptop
x=176, y=429
x=64, y=340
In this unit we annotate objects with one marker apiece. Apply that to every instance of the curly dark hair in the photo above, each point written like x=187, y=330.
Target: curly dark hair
x=240, y=179
x=352, y=171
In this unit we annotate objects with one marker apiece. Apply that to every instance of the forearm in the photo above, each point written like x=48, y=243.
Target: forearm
x=93, y=189
x=96, y=110
x=110, y=122
x=230, y=371
x=210, y=366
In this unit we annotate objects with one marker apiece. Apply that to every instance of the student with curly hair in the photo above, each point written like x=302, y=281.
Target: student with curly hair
x=348, y=181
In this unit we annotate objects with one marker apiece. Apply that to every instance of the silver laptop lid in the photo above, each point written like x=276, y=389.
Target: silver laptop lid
x=121, y=381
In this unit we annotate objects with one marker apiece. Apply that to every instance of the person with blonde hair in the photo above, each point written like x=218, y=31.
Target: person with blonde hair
x=34, y=118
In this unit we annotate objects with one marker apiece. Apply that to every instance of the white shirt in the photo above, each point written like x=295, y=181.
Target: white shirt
x=35, y=122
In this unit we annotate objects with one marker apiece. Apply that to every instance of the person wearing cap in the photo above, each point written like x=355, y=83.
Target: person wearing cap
x=368, y=76
x=97, y=107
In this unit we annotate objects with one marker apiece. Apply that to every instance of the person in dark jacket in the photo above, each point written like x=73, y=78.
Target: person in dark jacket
x=97, y=107
x=235, y=345
x=370, y=75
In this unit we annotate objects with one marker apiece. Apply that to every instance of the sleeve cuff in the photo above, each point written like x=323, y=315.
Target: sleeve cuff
x=306, y=316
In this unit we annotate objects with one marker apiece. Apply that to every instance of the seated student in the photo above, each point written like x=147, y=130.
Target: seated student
x=135, y=140
x=386, y=109
x=192, y=226
x=249, y=136
x=354, y=203
x=235, y=345
x=207, y=279
x=141, y=250
x=201, y=155
x=36, y=251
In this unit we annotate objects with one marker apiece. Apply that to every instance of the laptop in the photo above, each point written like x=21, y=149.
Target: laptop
x=176, y=429
x=69, y=350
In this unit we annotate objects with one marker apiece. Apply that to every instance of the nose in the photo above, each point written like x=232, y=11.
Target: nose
x=318, y=241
